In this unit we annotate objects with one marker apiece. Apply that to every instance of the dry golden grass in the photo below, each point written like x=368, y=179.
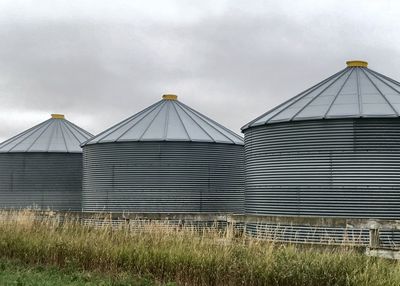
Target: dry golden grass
x=186, y=255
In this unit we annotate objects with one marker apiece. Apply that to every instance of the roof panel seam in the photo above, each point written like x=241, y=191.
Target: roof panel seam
x=34, y=141
x=166, y=121
x=162, y=106
x=337, y=94
x=81, y=131
x=360, y=110
x=303, y=95
x=385, y=77
x=63, y=136
x=196, y=123
x=380, y=92
x=180, y=119
x=69, y=126
x=51, y=136
x=13, y=139
x=308, y=103
x=154, y=106
x=117, y=126
x=375, y=74
x=203, y=117
x=297, y=97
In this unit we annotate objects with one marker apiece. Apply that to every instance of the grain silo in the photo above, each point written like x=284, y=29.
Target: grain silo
x=332, y=150
x=42, y=166
x=167, y=158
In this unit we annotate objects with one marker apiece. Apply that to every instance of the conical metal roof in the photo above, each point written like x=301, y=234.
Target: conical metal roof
x=55, y=135
x=168, y=120
x=354, y=92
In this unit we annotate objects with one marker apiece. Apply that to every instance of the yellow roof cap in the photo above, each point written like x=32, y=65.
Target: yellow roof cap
x=57, y=116
x=357, y=63
x=170, y=97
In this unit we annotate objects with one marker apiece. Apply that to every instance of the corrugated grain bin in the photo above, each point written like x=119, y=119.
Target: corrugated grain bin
x=332, y=150
x=42, y=167
x=167, y=158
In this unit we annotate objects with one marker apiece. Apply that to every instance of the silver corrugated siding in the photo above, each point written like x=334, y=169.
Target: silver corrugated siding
x=345, y=167
x=44, y=180
x=163, y=177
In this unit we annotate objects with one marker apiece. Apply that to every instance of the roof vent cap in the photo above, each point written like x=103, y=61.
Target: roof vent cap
x=170, y=97
x=357, y=63
x=57, y=116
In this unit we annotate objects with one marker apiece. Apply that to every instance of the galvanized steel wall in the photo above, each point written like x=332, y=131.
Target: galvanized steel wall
x=163, y=177
x=344, y=167
x=44, y=180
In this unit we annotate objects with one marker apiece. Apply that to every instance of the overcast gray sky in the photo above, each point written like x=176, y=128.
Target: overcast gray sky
x=99, y=62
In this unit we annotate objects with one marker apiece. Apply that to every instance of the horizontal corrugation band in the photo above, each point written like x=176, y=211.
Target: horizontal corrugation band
x=163, y=177
x=346, y=167
x=41, y=180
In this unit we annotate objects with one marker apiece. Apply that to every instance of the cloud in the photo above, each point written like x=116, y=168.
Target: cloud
x=99, y=62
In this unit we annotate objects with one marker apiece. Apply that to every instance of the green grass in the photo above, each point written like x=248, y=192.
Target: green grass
x=17, y=273
x=186, y=256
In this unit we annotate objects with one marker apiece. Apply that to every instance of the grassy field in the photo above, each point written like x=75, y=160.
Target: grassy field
x=17, y=273
x=183, y=256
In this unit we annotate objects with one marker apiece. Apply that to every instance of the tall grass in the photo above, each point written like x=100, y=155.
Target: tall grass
x=185, y=255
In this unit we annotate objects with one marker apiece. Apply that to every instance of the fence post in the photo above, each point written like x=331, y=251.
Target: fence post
x=229, y=227
x=374, y=240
